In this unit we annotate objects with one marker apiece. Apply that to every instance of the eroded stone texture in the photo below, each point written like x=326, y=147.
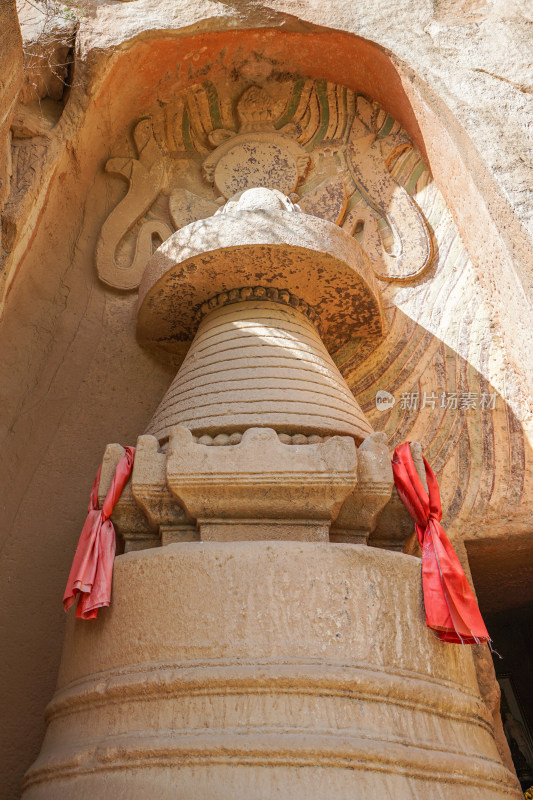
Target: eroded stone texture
x=258, y=669
x=259, y=364
x=318, y=138
x=73, y=377
x=36, y=142
x=358, y=515
x=261, y=488
x=152, y=495
x=129, y=518
x=10, y=84
x=297, y=255
x=463, y=56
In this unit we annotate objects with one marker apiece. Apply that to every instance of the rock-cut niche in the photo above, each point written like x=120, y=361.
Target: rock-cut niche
x=332, y=151
x=342, y=157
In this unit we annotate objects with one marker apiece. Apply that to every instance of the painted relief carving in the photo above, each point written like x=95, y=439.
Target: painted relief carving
x=258, y=154
x=318, y=142
x=412, y=249
x=146, y=176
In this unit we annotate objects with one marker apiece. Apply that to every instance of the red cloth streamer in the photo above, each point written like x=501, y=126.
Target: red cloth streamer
x=91, y=573
x=451, y=608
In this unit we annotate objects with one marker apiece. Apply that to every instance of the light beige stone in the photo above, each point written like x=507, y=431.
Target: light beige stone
x=151, y=493
x=146, y=515
x=305, y=255
x=359, y=513
x=459, y=58
x=259, y=669
x=394, y=527
x=146, y=176
x=131, y=524
x=48, y=33
x=346, y=182
x=72, y=376
x=258, y=363
x=258, y=154
x=261, y=488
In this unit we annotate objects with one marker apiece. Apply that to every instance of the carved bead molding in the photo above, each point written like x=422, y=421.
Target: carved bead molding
x=321, y=143
x=226, y=439
x=261, y=293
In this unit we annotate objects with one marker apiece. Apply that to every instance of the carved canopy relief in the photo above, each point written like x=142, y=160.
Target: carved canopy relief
x=319, y=142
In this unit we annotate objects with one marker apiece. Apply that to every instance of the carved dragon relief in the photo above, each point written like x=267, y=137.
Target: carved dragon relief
x=327, y=148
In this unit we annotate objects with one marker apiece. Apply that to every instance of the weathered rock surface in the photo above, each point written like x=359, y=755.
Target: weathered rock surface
x=11, y=77
x=259, y=669
x=74, y=378
x=475, y=56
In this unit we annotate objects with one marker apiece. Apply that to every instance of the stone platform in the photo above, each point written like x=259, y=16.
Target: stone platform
x=258, y=670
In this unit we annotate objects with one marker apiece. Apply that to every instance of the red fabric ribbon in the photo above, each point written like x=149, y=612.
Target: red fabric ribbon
x=91, y=573
x=451, y=608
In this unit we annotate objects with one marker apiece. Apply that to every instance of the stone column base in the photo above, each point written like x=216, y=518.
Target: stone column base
x=258, y=670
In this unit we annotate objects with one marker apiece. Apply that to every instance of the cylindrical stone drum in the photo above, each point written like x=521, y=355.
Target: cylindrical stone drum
x=262, y=670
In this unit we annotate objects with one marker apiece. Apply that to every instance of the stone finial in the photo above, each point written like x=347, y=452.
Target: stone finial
x=260, y=198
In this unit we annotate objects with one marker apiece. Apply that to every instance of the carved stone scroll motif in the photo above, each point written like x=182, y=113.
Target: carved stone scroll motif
x=318, y=142
x=146, y=176
x=367, y=168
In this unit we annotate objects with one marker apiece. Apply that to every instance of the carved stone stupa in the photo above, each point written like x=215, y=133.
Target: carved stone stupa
x=264, y=651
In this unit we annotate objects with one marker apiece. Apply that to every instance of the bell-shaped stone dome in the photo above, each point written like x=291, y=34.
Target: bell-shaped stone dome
x=259, y=363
